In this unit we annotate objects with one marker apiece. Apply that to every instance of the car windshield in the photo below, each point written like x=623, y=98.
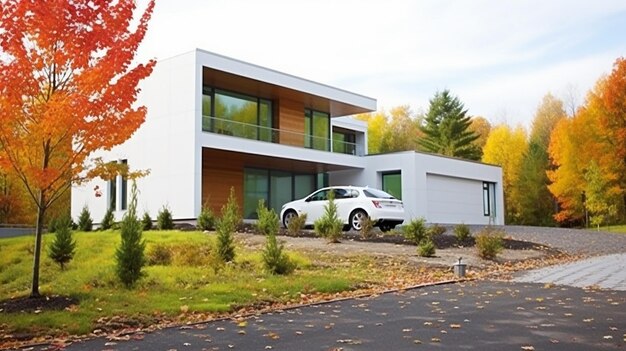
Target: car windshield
x=377, y=194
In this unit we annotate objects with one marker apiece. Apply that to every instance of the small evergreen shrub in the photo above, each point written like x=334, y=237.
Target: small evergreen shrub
x=226, y=227
x=130, y=255
x=435, y=230
x=268, y=221
x=159, y=255
x=416, y=231
x=164, y=219
x=108, y=220
x=329, y=226
x=275, y=260
x=206, y=218
x=296, y=224
x=367, y=228
x=426, y=248
x=146, y=221
x=63, y=247
x=462, y=233
x=85, y=223
x=489, y=243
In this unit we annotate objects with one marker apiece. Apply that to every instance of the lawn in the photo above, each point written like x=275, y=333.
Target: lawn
x=189, y=287
x=614, y=228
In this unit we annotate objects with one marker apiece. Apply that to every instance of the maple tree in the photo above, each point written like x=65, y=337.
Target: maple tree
x=68, y=84
x=481, y=127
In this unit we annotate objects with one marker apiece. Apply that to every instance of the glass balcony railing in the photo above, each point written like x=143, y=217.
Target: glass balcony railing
x=277, y=136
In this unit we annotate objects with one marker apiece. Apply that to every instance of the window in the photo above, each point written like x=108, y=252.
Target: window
x=124, y=190
x=113, y=194
x=344, y=142
x=275, y=188
x=392, y=184
x=236, y=114
x=489, y=199
x=317, y=130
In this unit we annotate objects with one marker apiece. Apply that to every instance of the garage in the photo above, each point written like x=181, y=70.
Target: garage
x=454, y=200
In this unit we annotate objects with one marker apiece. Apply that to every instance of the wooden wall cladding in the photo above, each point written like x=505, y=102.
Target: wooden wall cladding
x=291, y=119
x=220, y=172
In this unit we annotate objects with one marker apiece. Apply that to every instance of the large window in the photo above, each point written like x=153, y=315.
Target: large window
x=236, y=114
x=121, y=191
x=317, y=130
x=276, y=188
x=392, y=184
x=344, y=142
x=489, y=199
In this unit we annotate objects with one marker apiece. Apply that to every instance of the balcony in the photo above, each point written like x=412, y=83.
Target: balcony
x=278, y=136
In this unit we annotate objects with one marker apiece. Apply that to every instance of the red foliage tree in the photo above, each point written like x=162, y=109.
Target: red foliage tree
x=67, y=88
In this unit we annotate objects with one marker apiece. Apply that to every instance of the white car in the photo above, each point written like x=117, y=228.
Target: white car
x=353, y=205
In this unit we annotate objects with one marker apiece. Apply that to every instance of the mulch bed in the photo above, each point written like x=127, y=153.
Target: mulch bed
x=37, y=305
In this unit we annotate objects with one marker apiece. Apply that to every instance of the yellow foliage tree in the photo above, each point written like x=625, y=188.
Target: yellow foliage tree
x=506, y=147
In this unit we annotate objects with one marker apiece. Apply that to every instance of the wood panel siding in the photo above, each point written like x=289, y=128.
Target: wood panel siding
x=220, y=172
x=291, y=122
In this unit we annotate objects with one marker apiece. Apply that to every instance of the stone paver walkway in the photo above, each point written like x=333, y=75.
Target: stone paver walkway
x=607, y=272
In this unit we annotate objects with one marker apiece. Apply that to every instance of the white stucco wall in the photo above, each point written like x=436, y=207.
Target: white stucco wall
x=164, y=144
x=455, y=192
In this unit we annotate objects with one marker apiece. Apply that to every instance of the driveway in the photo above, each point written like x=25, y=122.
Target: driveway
x=462, y=316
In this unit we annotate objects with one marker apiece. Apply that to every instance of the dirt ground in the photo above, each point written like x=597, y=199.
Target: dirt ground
x=445, y=257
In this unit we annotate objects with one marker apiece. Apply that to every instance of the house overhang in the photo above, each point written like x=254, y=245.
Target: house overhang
x=231, y=74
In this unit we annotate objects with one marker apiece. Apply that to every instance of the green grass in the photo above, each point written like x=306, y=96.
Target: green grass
x=165, y=291
x=614, y=228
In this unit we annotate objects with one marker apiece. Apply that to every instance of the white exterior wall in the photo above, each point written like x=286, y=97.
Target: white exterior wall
x=164, y=144
x=453, y=194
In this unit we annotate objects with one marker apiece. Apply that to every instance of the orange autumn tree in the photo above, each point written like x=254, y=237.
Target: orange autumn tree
x=67, y=88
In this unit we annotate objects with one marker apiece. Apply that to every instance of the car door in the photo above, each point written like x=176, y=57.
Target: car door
x=344, y=202
x=314, y=205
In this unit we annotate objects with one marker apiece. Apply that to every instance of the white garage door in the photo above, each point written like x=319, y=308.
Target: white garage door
x=454, y=200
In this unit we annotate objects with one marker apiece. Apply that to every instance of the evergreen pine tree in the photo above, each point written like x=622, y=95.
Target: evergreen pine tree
x=146, y=221
x=64, y=246
x=108, y=220
x=130, y=255
x=226, y=227
x=446, y=129
x=85, y=223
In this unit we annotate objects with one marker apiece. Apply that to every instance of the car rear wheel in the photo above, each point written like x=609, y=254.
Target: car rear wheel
x=288, y=216
x=356, y=219
x=385, y=227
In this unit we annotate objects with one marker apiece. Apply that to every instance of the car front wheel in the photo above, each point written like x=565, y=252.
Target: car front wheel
x=288, y=216
x=356, y=219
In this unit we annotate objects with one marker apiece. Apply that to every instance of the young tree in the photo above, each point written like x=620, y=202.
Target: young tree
x=130, y=255
x=85, y=223
x=67, y=88
x=446, y=128
x=226, y=226
x=64, y=246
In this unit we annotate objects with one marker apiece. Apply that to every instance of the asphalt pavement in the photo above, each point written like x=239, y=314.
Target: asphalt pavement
x=459, y=316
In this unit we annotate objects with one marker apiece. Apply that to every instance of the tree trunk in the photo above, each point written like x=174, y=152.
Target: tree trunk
x=34, y=293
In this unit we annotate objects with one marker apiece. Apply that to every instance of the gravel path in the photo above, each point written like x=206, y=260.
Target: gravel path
x=569, y=240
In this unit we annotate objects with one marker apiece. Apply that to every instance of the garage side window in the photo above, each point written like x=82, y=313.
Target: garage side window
x=489, y=199
x=392, y=183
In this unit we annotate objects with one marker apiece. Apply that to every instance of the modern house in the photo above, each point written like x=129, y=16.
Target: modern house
x=214, y=123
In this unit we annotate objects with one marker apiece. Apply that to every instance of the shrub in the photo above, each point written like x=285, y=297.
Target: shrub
x=130, y=254
x=426, y=248
x=275, y=259
x=329, y=226
x=268, y=221
x=435, y=230
x=164, y=219
x=489, y=243
x=85, y=223
x=416, y=231
x=195, y=255
x=296, y=224
x=52, y=224
x=108, y=220
x=206, y=218
x=159, y=254
x=367, y=228
x=64, y=246
x=462, y=233
x=146, y=221
x=226, y=227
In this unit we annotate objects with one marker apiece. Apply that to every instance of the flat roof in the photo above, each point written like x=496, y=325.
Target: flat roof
x=341, y=102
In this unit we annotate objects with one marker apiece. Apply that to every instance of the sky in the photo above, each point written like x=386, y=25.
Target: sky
x=498, y=57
